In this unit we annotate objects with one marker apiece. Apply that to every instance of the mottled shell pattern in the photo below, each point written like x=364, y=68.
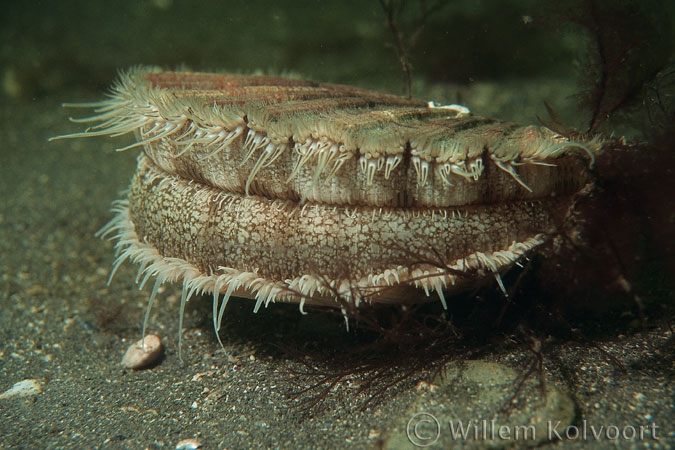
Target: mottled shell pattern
x=281, y=189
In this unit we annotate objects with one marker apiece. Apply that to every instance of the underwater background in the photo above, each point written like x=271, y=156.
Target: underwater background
x=65, y=329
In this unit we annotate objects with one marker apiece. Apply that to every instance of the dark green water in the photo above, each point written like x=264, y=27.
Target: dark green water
x=62, y=325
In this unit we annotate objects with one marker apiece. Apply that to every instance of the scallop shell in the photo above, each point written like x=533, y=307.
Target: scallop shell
x=280, y=189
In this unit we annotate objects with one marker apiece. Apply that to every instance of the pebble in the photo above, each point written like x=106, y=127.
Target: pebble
x=143, y=353
x=22, y=389
x=188, y=444
x=472, y=395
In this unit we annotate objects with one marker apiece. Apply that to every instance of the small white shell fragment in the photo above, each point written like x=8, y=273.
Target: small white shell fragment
x=22, y=389
x=143, y=353
x=188, y=444
x=461, y=110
